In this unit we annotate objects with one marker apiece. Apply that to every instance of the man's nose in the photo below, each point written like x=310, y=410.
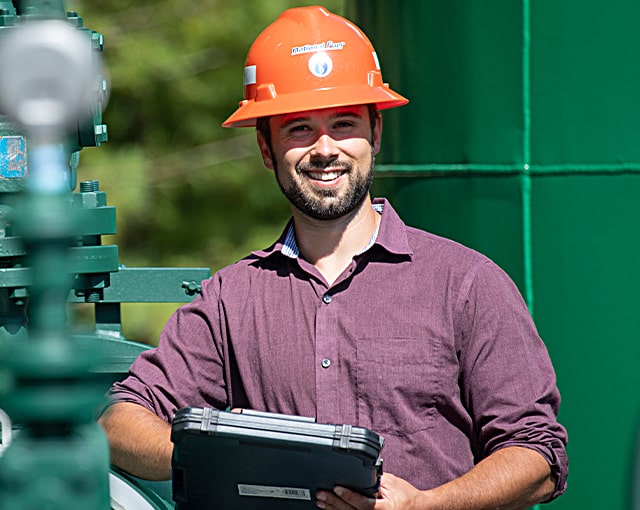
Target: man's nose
x=324, y=147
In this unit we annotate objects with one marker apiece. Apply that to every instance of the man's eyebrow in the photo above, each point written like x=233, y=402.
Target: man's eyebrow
x=336, y=115
x=293, y=120
x=346, y=113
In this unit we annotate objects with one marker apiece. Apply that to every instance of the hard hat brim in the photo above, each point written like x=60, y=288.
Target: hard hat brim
x=249, y=111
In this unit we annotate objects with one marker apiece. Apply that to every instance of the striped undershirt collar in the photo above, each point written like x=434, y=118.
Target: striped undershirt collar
x=290, y=247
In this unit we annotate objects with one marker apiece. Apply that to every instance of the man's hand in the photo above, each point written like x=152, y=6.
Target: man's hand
x=512, y=478
x=394, y=494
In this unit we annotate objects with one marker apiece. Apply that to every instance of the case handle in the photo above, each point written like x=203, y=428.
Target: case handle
x=263, y=414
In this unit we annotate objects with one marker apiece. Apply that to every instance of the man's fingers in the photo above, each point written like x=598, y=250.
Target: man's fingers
x=343, y=499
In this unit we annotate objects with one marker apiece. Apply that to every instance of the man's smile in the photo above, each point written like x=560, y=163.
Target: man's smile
x=325, y=175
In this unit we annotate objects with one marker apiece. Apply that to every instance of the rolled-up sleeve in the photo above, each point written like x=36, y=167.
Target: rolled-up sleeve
x=508, y=383
x=186, y=367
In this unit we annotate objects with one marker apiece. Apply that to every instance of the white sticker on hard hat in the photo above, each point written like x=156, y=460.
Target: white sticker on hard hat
x=320, y=65
x=250, y=75
x=375, y=58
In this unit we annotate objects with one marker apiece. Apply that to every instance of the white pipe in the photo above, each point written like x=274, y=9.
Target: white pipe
x=5, y=425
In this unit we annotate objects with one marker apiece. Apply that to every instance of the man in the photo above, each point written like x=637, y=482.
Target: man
x=351, y=316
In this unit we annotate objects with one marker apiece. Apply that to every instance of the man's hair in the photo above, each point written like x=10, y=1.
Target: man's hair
x=264, y=127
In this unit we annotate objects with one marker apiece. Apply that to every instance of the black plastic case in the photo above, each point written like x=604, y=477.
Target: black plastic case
x=265, y=461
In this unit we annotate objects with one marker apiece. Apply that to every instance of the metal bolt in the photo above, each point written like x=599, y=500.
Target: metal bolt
x=191, y=288
x=89, y=186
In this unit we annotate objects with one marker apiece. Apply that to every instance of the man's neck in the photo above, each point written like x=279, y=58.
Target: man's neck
x=330, y=245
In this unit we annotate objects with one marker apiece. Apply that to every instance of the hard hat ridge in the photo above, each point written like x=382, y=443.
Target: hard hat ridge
x=310, y=58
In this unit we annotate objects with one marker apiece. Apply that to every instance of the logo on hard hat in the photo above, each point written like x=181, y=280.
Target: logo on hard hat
x=308, y=48
x=320, y=65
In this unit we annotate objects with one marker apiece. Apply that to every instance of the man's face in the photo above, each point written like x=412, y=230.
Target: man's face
x=323, y=159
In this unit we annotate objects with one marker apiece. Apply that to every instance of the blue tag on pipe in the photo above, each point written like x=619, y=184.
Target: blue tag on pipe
x=13, y=157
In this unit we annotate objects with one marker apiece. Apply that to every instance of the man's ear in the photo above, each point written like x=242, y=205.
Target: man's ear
x=376, y=136
x=265, y=151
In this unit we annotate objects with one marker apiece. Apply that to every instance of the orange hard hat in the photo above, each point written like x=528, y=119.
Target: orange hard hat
x=307, y=59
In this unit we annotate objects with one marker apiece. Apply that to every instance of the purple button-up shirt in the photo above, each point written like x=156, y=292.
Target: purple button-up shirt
x=422, y=340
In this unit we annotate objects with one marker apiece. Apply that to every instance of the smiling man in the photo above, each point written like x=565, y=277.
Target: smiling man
x=323, y=162
x=352, y=316
x=331, y=154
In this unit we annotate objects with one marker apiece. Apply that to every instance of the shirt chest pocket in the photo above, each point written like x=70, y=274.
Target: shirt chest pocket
x=398, y=382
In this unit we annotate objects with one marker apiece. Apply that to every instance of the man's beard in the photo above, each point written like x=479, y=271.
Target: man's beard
x=307, y=201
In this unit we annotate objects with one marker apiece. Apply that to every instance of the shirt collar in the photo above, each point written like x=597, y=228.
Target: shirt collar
x=391, y=234
x=290, y=247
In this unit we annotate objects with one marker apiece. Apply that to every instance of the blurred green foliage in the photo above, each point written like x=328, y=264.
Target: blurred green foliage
x=188, y=193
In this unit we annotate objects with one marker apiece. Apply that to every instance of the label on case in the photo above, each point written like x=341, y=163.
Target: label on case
x=265, y=491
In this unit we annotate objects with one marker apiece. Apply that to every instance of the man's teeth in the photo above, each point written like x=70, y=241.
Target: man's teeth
x=325, y=176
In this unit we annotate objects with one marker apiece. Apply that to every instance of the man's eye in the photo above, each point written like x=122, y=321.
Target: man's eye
x=343, y=124
x=302, y=128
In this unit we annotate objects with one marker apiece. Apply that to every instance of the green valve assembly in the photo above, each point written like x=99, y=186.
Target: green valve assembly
x=53, y=455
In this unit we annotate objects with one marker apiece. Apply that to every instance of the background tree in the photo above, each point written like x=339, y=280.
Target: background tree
x=188, y=192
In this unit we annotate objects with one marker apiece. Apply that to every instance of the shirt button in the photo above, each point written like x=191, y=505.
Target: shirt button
x=326, y=363
x=326, y=299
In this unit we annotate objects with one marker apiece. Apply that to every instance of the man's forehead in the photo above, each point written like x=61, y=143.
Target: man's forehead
x=336, y=111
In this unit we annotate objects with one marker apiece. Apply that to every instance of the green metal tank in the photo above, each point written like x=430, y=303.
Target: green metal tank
x=522, y=140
